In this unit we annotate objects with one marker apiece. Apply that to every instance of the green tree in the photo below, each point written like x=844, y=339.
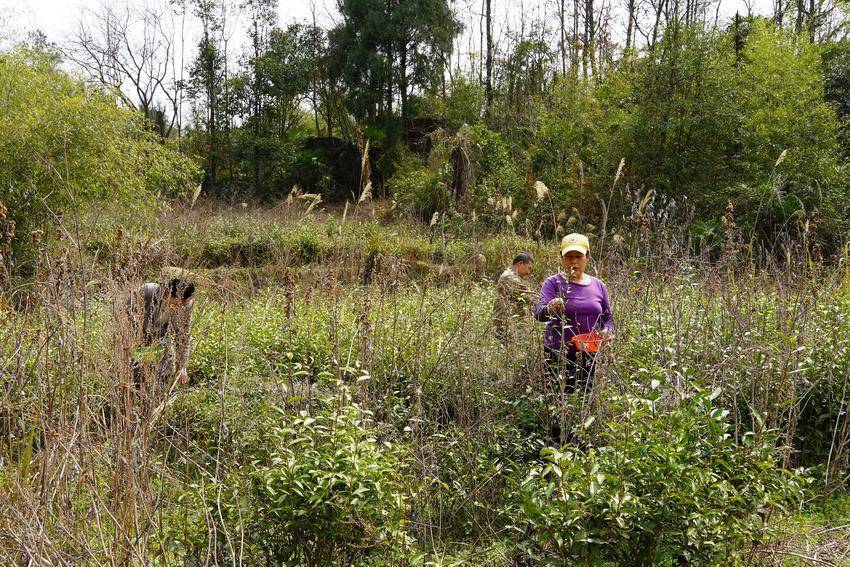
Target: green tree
x=525, y=75
x=63, y=145
x=268, y=90
x=463, y=102
x=671, y=115
x=837, y=86
x=780, y=97
x=206, y=88
x=569, y=128
x=384, y=50
x=254, y=103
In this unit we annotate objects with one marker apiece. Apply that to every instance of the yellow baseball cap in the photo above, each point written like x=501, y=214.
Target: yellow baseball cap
x=575, y=241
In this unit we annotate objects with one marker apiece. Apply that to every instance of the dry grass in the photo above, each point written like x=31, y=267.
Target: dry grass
x=98, y=471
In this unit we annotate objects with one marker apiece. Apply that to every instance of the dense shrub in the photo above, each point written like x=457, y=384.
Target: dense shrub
x=570, y=135
x=332, y=491
x=241, y=242
x=670, y=115
x=463, y=103
x=701, y=118
x=664, y=486
x=420, y=190
x=789, y=133
x=475, y=474
x=472, y=170
x=63, y=144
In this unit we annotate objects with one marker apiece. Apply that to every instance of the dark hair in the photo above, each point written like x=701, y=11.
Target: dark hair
x=181, y=288
x=524, y=257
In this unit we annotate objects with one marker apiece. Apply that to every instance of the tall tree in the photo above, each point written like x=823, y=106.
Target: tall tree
x=562, y=37
x=206, y=85
x=631, y=15
x=274, y=79
x=384, y=50
x=262, y=15
x=489, y=84
x=589, y=43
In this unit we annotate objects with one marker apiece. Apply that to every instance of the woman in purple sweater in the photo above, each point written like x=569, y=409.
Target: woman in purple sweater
x=572, y=303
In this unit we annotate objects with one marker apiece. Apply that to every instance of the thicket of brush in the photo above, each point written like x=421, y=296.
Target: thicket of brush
x=352, y=406
x=348, y=402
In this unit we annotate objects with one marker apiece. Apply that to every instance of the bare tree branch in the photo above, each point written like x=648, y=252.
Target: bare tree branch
x=130, y=49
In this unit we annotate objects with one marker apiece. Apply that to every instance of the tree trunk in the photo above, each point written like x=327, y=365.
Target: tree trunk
x=590, y=46
x=812, y=20
x=738, y=41
x=389, y=78
x=659, y=10
x=562, y=16
x=489, y=84
x=257, y=109
x=574, y=39
x=402, y=81
x=778, y=13
x=481, y=26
x=212, y=103
x=585, y=39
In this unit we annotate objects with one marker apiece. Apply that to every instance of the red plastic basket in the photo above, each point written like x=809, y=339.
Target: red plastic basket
x=588, y=342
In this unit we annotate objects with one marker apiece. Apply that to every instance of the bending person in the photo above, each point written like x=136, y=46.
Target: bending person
x=167, y=315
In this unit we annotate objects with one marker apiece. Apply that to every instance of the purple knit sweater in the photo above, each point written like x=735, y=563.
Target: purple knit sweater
x=586, y=309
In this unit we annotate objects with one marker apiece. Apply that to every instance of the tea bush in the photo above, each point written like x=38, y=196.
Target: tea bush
x=332, y=491
x=447, y=421
x=469, y=486
x=662, y=487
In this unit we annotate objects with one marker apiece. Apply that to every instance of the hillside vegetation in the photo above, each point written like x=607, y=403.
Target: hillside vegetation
x=348, y=402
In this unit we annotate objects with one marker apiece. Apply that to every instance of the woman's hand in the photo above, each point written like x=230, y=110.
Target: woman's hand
x=555, y=306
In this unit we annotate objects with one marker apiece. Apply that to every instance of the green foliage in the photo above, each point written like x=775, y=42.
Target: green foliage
x=780, y=96
x=699, y=113
x=666, y=486
x=695, y=119
x=463, y=103
x=435, y=472
x=498, y=166
x=206, y=89
x=231, y=243
x=568, y=131
x=420, y=190
x=836, y=62
x=385, y=47
x=476, y=477
x=267, y=91
x=332, y=491
x=310, y=170
x=63, y=146
x=825, y=361
x=257, y=341
x=525, y=74
x=672, y=117
x=788, y=131
x=472, y=170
